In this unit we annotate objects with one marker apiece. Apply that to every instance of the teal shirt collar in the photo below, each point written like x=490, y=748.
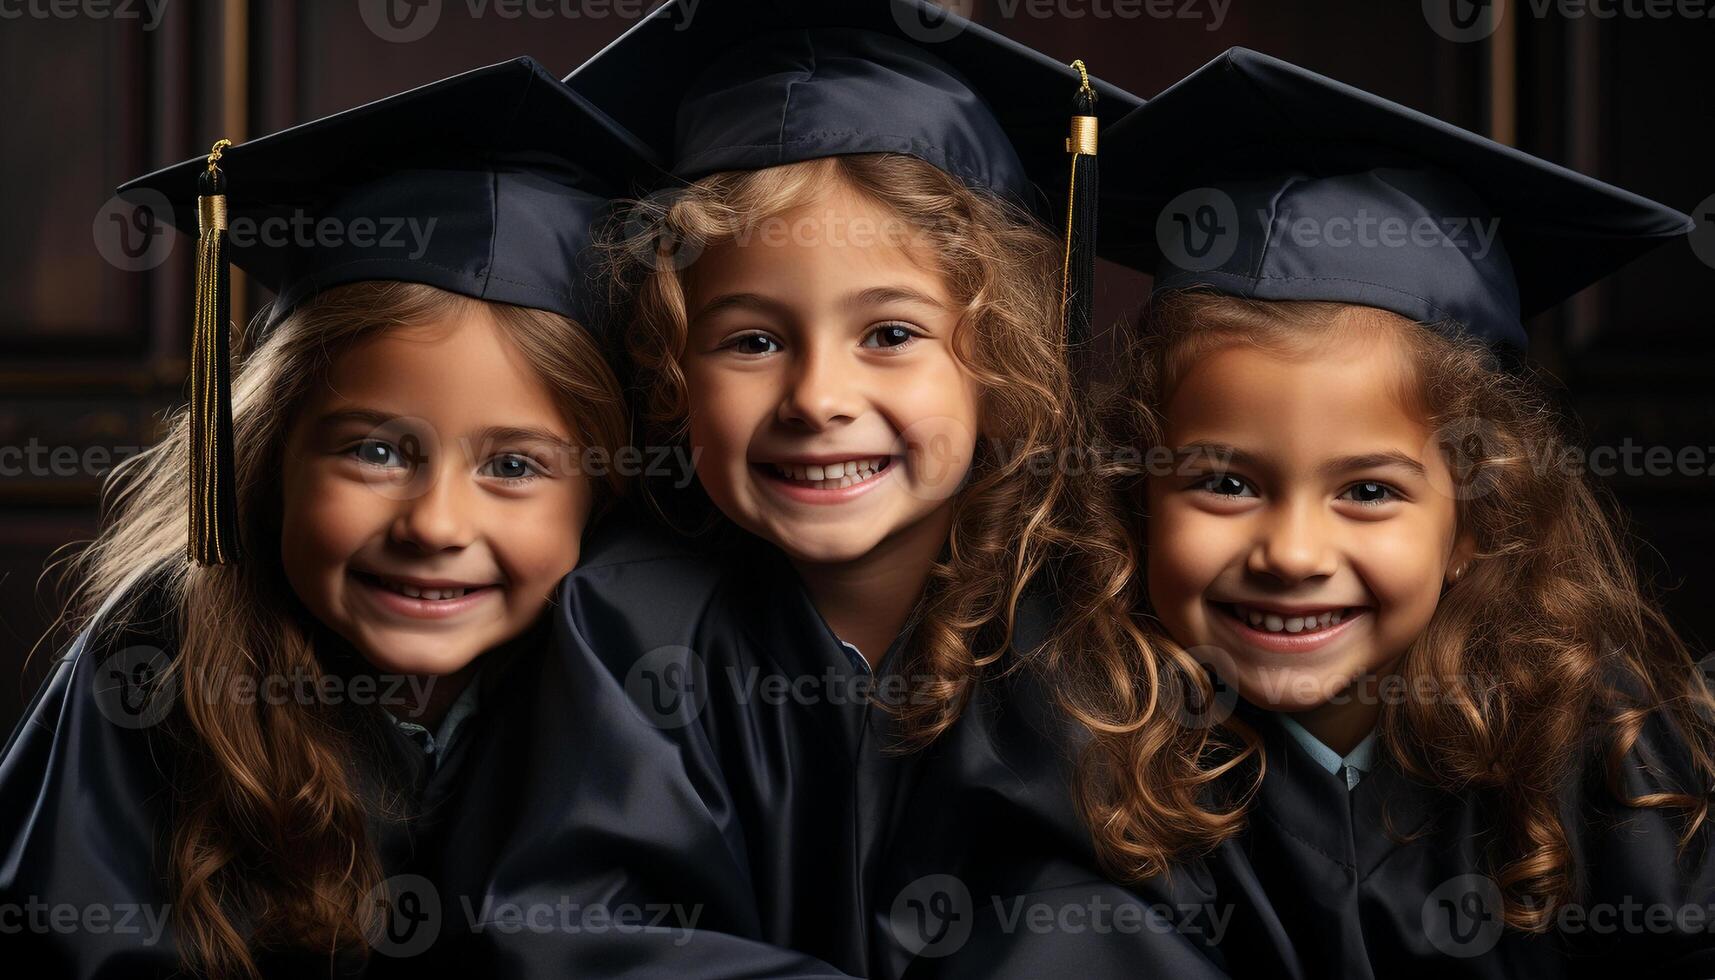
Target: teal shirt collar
x=1355, y=764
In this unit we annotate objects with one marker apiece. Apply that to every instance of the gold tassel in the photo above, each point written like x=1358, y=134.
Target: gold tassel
x=213, y=500
x=1078, y=273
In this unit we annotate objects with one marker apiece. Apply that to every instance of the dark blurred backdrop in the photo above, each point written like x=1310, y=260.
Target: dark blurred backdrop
x=96, y=308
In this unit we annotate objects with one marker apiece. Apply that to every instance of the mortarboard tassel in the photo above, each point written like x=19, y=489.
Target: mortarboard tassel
x=1078, y=277
x=213, y=500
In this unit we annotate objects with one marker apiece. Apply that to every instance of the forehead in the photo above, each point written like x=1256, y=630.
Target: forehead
x=837, y=241
x=461, y=370
x=1351, y=393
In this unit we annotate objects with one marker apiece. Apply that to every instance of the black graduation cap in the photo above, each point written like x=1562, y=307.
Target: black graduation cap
x=484, y=184
x=1259, y=178
x=719, y=85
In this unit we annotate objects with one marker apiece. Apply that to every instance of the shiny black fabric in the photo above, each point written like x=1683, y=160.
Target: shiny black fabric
x=698, y=739
x=1321, y=887
x=1258, y=178
x=483, y=184
x=86, y=810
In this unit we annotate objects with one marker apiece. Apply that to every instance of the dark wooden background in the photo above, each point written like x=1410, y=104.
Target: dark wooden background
x=92, y=352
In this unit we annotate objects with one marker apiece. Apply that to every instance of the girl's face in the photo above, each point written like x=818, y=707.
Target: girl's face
x=1299, y=537
x=828, y=413
x=431, y=495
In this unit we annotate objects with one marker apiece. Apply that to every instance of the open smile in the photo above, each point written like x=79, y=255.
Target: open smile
x=1289, y=630
x=825, y=482
x=423, y=598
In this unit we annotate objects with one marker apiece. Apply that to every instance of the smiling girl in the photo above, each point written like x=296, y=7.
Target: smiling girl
x=1481, y=739
x=253, y=746
x=879, y=655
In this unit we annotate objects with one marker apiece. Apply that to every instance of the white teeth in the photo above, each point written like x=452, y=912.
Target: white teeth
x=832, y=476
x=1275, y=623
x=416, y=593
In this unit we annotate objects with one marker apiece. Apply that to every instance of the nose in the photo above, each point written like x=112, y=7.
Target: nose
x=822, y=389
x=438, y=519
x=1292, y=544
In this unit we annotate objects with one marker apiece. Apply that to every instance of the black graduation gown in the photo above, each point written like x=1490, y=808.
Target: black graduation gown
x=1321, y=888
x=85, y=819
x=699, y=739
x=992, y=807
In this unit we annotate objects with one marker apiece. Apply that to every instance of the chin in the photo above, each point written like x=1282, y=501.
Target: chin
x=825, y=548
x=421, y=656
x=1292, y=688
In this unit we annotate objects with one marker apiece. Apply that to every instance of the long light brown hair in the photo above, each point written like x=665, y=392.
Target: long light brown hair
x=1039, y=508
x=1547, y=653
x=271, y=844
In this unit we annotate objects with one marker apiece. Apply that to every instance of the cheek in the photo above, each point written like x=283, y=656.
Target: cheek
x=936, y=410
x=940, y=390
x=1402, y=564
x=537, y=545
x=324, y=521
x=1186, y=551
x=723, y=412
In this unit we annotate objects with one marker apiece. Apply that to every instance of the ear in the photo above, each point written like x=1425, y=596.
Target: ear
x=1459, y=562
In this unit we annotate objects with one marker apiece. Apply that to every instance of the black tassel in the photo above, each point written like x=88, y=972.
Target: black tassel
x=1078, y=278
x=213, y=498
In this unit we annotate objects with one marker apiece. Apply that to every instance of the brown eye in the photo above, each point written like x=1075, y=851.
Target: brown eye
x=890, y=335
x=1371, y=492
x=1224, y=485
x=754, y=343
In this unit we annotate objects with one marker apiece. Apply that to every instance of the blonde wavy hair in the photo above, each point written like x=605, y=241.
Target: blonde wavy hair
x=271, y=843
x=1026, y=517
x=1547, y=648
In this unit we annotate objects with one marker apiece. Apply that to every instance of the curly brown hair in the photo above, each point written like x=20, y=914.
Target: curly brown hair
x=1547, y=647
x=1039, y=509
x=270, y=841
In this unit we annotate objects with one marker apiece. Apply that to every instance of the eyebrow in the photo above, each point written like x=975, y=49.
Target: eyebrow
x=883, y=295
x=370, y=416
x=485, y=436
x=740, y=301
x=522, y=433
x=1233, y=455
